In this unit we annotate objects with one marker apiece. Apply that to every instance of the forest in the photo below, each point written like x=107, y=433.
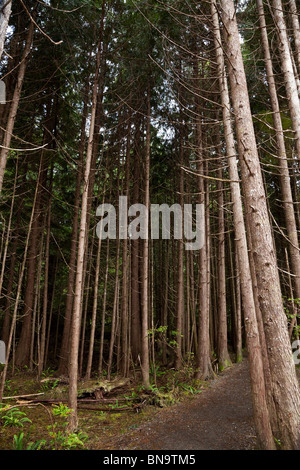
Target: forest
x=149, y=214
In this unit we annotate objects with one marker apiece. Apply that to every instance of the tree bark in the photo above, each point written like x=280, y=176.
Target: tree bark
x=5, y=11
x=296, y=30
x=180, y=268
x=259, y=397
x=285, y=183
x=288, y=71
x=15, y=103
x=222, y=345
x=145, y=260
x=18, y=294
x=77, y=306
x=135, y=251
x=64, y=349
x=284, y=380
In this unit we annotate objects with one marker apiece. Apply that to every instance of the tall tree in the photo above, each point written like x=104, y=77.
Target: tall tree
x=4, y=20
x=288, y=70
x=76, y=317
x=15, y=103
x=284, y=381
x=286, y=190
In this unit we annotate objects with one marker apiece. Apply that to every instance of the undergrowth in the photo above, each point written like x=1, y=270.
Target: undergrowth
x=27, y=426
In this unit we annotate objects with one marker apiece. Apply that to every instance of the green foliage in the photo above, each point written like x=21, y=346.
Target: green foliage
x=62, y=440
x=58, y=436
x=155, y=370
x=7, y=385
x=49, y=372
x=189, y=388
x=49, y=385
x=295, y=301
x=291, y=307
x=61, y=410
x=278, y=442
x=115, y=406
x=14, y=417
x=19, y=443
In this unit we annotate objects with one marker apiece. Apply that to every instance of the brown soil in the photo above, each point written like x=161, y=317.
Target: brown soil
x=220, y=418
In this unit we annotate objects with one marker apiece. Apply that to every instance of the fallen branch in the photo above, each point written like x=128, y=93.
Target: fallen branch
x=79, y=400
x=110, y=410
x=23, y=396
x=137, y=407
x=44, y=403
x=61, y=380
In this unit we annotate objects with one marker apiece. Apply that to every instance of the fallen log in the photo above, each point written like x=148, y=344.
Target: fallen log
x=50, y=402
x=61, y=380
x=137, y=408
x=80, y=400
x=98, y=388
x=110, y=410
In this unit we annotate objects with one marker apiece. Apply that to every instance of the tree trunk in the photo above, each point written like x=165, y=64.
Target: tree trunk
x=135, y=250
x=204, y=366
x=284, y=380
x=103, y=311
x=23, y=349
x=180, y=268
x=296, y=30
x=18, y=294
x=259, y=398
x=286, y=191
x=4, y=19
x=145, y=260
x=77, y=306
x=238, y=313
x=8, y=236
x=15, y=103
x=125, y=271
x=288, y=70
x=63, y=360
x=222, y=346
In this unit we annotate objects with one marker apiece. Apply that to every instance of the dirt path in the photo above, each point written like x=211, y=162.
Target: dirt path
x=220, y=418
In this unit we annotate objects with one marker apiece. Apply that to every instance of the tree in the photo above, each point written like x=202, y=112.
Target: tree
x=279, y=350
x=288, y=71
x=4, y=20
x=76, y=317
x=15, y=102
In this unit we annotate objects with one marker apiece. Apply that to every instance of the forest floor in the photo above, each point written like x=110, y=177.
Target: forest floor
x=220, y=418
x=213, y=415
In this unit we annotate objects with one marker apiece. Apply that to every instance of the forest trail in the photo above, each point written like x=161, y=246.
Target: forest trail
x=220, y=418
